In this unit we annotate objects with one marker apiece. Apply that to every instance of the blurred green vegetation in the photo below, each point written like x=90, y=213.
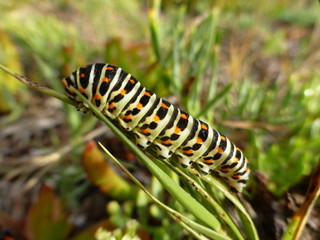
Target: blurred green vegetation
x=251, y=70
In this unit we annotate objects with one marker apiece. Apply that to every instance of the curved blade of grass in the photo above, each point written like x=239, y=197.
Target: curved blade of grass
x=299, y=220
x=37, y=86
x=187, y=223
x=194, y=233
x=246, y=220
x=219, y=209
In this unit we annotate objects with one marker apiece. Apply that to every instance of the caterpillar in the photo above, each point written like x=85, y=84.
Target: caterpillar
x=154, y=121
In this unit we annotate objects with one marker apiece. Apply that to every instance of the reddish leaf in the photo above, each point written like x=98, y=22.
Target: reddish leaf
x=46, y=218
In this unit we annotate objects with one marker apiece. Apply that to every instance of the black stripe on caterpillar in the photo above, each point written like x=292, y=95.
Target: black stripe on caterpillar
x=154, y=121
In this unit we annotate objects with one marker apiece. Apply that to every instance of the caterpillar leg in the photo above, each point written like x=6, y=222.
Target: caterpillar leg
x=184, y=161
x=205, y=169
x=141, y=141
x=238, y=180
x=163, y=152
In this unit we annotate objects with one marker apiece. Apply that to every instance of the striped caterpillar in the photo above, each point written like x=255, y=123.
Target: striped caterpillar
x=154, y=121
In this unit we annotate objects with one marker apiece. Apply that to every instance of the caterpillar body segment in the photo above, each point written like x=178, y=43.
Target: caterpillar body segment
x=154, y=121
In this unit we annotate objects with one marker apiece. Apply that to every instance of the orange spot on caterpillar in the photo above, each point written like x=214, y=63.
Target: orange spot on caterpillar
x=97, y=97
x=220, y=150
x=127, y=117
x=224, y=170
x=70, y=91
x=139, y=105
x=208, y=161
x=188, y=151
x=164, y=105
x=147, y=94
x=110, y=68
x=177, y=130
x=132, y=81
x=236, y=160
x=236, y=176
x=156, y=118
x=145, y=130
x=64, y=82
x=82, y=75
x=166, y=142
x=199, y=140
x=183, y=116
x=204, y=127
x=111, y=106
x=81, y=90
x=123, y=91
x=223, y=138
x=105, y=79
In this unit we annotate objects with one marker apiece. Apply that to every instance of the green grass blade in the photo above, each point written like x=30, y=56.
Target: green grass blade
x=205, y=195
x=247, y=222
x=154, y=28
x=38, y=87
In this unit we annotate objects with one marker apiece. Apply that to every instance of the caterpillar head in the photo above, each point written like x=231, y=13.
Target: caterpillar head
x=79, y=80
x=68, y=83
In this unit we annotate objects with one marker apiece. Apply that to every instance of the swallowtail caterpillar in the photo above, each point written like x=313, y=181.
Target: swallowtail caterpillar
x=154, y=121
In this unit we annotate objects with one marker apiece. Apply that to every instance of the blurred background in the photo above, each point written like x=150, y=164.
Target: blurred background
x=251, y=70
